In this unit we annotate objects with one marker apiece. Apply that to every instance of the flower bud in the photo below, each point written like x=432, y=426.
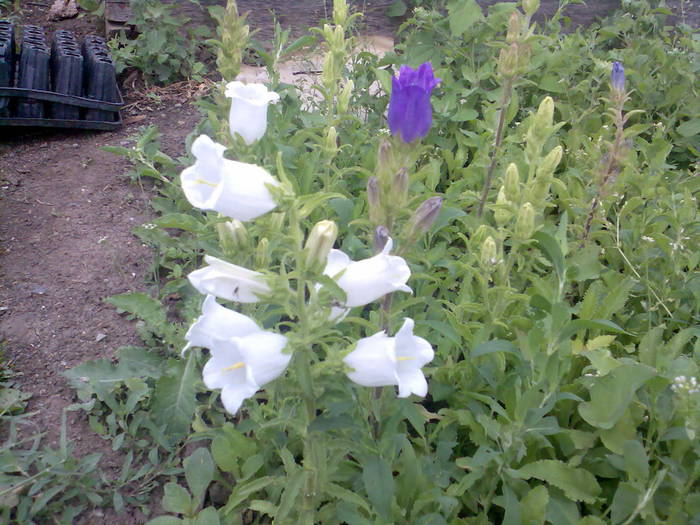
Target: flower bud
x=381, y=236
x=344, y=96
x=328, y=73
x=544, y=115
x=480, y=234
x=513, y=27
x=489, y=253
x=508, y=60
x=501, y=212
x=331, y=142
x=531, y=6
x=384, y=159
x=319, y=244
x=425, y=216
x=617, y=78
x=262, y=253
x=400, y=186
x=525, y=223
x=511, y=184
x=338, y=41
x=340, y=12
x=550, y=162
x=233, y=236
x=374, y=201
x=276, y=221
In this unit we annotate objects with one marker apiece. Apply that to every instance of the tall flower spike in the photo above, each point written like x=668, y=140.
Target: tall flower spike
x=241, y=366
x=235, y=189
x=228, y=281
x=410, y=114
x=380, y=360
x=248, y=115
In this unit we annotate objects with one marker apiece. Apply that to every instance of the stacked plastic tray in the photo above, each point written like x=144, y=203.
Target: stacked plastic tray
x=65, y=84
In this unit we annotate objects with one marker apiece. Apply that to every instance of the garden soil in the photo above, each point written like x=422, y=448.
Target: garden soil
x=66, y=216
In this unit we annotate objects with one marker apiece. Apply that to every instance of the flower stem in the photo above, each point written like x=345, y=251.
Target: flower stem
x=505, y=102
x=610, y=168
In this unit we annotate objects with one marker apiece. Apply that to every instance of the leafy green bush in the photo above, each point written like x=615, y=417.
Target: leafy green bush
x=559, y=287
x=166, y=49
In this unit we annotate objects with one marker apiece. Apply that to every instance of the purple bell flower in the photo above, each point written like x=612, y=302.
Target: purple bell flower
x=410, y=113
x=617, y=77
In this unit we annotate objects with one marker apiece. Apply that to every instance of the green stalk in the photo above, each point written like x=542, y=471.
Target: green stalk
x=313, y=448
x=505, y=102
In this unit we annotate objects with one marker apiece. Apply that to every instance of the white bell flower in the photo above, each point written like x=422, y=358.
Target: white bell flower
x=380, y=360
x=248, y=115
x=217, y=324
x=367, y=280
x=235, y=189
x=241, y=366
x=229, y=281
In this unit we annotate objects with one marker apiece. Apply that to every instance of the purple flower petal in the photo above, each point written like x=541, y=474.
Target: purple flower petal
x=410, y=114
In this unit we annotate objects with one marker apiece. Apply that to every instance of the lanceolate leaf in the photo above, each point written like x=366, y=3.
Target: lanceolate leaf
x=578, y=484
x=174, y=397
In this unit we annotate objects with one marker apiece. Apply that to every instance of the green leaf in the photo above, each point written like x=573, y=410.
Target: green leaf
x=290, y=496
x=344, y=494
x=174, y=397
x=615, y=438
x=181, y=221
x=463, y=15
x=577, y=325
x=578, y=484
x=690, y=128
x=636, y=462
x=228, y=446
x=550, y=247
x=176, y=499
x=140, y=305
x=199, y=472
x=624, y=502
x=612, y=394
x=207, y=516
x=590, y=520
x=533, y=507
x=497, y=345
x=379, y=484
x=242, y=490
x=165, y=520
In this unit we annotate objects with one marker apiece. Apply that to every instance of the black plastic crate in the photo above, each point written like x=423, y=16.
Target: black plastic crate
x=69, y=84
x=7, y=61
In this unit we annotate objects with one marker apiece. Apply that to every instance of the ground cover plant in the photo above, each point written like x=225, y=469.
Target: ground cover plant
x=537, y=192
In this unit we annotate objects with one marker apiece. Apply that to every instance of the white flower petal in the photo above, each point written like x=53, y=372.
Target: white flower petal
x=367, y=280
x=242, y=193
x=235, y=189
x=218, y=323
x=262, y=351
x=416, y=349
x=412, y=382
x=248, y=114
x=232, y=396
x=218, y=371
x=337, y=262
x=373, y=361
x=228, y=281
